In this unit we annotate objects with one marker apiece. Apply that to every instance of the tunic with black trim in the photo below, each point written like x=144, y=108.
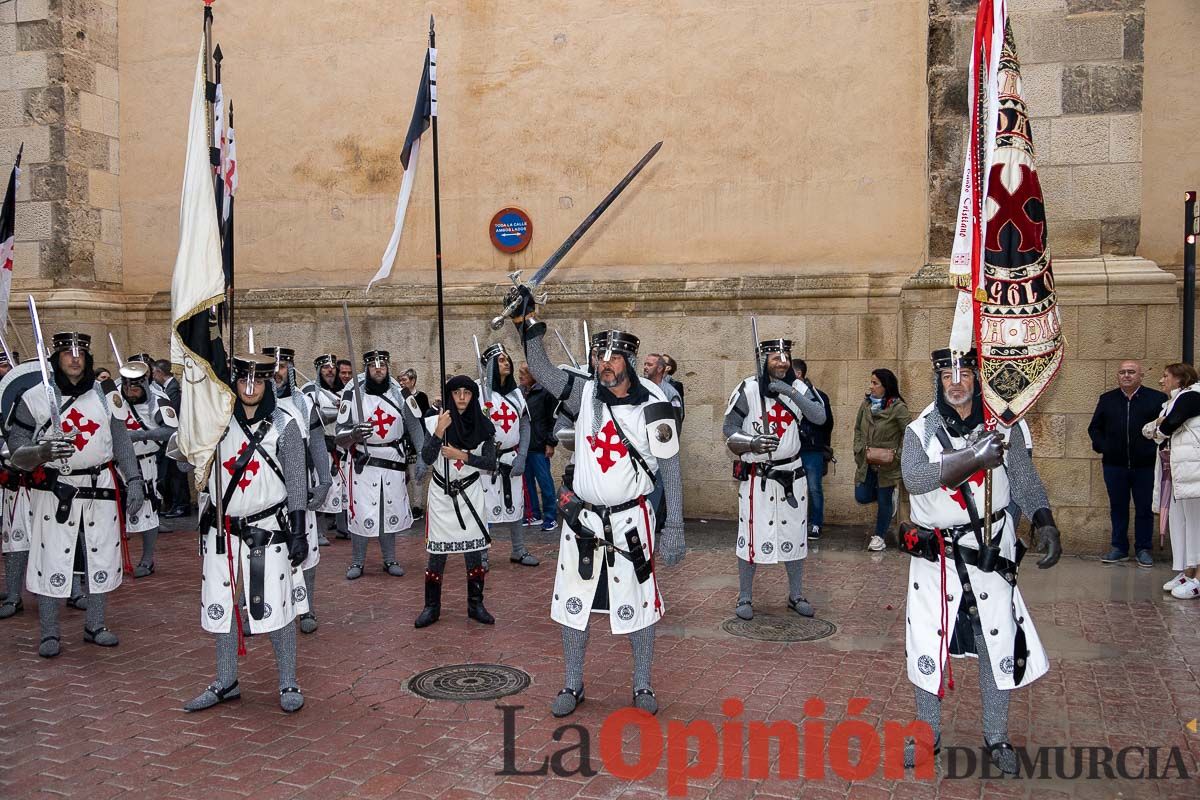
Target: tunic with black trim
x=14, y=505
x=328, y=402
x=260, y=487
x=52, y=556
x=997, y=605
x=145, y=416
x=377, y=489
x=505, y=411
x=449, y=529
x=770, y=529
x=607, y=475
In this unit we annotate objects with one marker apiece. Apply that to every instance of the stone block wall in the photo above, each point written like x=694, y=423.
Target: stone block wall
x=1081, y=69
x=59, y=95
x=844, y=326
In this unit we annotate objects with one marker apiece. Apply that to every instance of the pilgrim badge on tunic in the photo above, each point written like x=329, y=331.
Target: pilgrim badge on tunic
x=768, y=548
x=298, y=594
x=625, y=612
x=663, y=433
x=216, y=611
x=58, y=579
x=100, y=577
x=574, y=605
x=786, y=547
x=1006, y=665
x=926, y=665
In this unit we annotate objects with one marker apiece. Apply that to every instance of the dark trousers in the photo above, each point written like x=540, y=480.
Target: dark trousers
x=814, y=469
x=869, y=491
x=1122, y=483
x=537, y=473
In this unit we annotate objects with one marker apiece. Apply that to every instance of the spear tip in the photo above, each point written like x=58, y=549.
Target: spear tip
x=431, y=23
x=217, y=56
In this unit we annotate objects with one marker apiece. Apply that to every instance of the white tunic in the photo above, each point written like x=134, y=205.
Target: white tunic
x=14, y=525
x=327, y=403
x=148, y=415
x=606, y=475
x=259, y=488
x=378, y=495
x=770, y=530
x=505, y=412
x=1001, y=607
x=85, y=419
x=443, y=532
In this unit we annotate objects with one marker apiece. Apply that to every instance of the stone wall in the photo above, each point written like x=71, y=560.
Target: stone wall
x=1081, y=69
x=58, y=95
x=844, y=326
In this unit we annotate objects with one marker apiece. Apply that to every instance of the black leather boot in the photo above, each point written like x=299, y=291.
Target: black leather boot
x=433, y=600
x=475, y=609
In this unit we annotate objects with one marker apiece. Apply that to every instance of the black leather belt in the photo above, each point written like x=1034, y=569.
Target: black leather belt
x=587, y=542
x=505, y=472
x=456, y=488
x=361, y=461
x=47, y=480
x=786, y=478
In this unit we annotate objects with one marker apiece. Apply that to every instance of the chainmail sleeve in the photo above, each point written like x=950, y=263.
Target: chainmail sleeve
x=672, y=490
x=21, y=428
x=921, y=475
x=526, y=432
x=291, y=460
x=552, y=379
x=811, y=407
x=415, y=428
x=316, y=448
x=1024, y=484
x=486, y=460
x=122, y=448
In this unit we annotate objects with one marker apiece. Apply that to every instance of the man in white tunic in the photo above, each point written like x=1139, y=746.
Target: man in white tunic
x=324, y=393
x=150, y=424
x=459, y=451
x=295, y=403
x=378, y=487
x=505, y=406
x=253, y=554
x=14, y=491
x=762, y=428
x=74, y=525
x=963, y=598
x=625, y=431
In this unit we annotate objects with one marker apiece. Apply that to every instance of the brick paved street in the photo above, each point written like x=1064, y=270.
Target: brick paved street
x=104, y=723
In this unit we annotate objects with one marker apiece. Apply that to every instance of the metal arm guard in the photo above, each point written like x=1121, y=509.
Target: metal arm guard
x=566, y=438
x=959, y=465
x=31, y=456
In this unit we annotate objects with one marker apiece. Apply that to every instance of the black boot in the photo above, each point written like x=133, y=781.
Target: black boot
x=475, y=609
x=433, y=600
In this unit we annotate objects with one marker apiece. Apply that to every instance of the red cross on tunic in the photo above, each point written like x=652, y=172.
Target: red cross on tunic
x=778, y=418
x=957, y=494
x=504, y=417
x=605, y=444
x=458, y=463
x=248, y=474
x=382, y=421
x=131, y=423
x=81, y=425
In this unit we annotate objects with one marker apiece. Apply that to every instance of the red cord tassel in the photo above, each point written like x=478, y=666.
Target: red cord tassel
x=126, y=560
x=237, y=610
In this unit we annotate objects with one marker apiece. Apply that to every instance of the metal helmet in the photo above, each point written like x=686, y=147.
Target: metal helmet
x=613, y=341
x=377, y=358
x=325, y=360
x=74, y=341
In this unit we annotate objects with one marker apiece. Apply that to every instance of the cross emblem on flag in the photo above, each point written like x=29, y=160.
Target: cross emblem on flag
x=249, y=474
x=605, y=444
x=382, y=421
x=81, y=425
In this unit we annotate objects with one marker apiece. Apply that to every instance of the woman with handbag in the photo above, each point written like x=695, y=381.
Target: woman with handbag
x=878, y=434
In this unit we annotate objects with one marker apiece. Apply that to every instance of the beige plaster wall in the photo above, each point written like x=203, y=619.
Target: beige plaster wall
x=1171, y=149
x=792, y=130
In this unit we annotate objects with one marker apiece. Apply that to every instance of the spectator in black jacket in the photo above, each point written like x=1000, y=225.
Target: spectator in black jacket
x=408, y=386
x=542, y=410
x=814, y=451
x=177, y=497
x=1128, y=460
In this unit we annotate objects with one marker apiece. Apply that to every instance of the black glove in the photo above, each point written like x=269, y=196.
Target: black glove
x=298, y=539
x=525, y=304
x=1048, y=539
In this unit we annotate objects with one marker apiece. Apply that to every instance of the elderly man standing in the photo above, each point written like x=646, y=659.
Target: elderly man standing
x=1128, y=460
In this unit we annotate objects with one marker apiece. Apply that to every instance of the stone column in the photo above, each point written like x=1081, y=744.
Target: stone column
x=1081, y=68
x=58, y=95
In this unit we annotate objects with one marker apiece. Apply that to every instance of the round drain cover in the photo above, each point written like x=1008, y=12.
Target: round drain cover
x=792, y=628
x=469, y=682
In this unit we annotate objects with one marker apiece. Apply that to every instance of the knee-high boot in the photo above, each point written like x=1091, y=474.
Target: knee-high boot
x=475, y=576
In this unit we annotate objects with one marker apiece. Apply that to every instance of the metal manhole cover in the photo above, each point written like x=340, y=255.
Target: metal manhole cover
x=469, y=682
x=792, y=628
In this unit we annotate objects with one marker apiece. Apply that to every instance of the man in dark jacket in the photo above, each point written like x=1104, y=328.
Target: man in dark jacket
x=542, y=410
x=1128, y=459
x=176, y=496
x=814, y=444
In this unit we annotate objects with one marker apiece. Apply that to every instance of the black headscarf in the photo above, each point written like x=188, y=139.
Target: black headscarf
x=87, y=380
x=638, y=393
x=956, y=425
x=471, y=428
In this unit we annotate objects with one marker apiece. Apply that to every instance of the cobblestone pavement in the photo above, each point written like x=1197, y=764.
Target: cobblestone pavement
x=104, y=723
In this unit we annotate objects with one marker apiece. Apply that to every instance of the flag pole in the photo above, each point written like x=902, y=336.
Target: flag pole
x=1191, y=227
x=437, y=205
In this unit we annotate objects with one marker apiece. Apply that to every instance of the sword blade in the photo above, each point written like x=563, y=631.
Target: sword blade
x=51, y=396
x=116, y=351
x=358, y=400
x=566, y=349
x=540, y=276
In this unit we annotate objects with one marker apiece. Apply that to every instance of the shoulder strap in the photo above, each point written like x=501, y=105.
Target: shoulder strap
x=634, y=455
